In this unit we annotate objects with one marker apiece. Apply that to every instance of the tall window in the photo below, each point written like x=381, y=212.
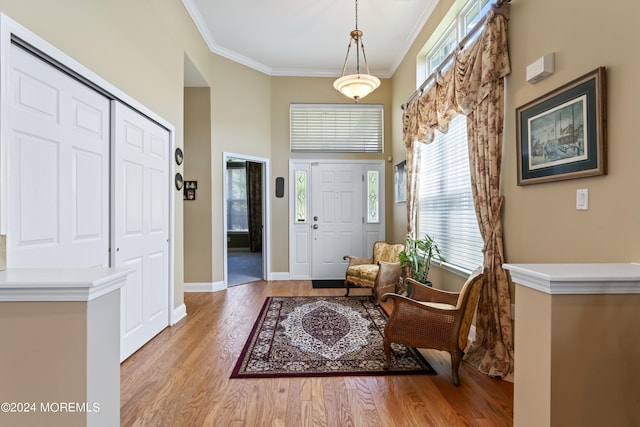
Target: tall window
x=445, y=202
x=237, y=218
x=445, y=208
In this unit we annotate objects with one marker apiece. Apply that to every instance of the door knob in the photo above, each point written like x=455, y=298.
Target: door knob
x=315, y=226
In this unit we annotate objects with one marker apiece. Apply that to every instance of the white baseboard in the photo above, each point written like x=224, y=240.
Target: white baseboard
x=178, y=314
x=284, y=275
x=204, y=287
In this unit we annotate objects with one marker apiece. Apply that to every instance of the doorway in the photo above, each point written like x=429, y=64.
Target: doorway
x=245, y=218
x=338, y=209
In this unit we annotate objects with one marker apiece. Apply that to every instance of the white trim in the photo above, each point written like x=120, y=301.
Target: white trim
x=50, y=284
x=203, y=29
x=266, y=213
x=201, y=24
x=205, y=287
x=9, y=27
x=178, y=313
x=578, y=279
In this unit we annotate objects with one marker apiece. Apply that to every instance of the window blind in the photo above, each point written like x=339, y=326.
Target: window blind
x=340, y=128
x=445, y=206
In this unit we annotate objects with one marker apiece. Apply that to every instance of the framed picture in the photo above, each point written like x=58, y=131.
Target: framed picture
x=179, y=156
x=401, y=182
x=189, y=194
x=562, y=135
x=178, y=181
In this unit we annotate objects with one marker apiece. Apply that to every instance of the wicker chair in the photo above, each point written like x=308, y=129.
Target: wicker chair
x=381, y=272
x=431, y=318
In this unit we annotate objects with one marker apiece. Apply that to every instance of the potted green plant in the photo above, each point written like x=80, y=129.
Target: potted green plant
x=417, y=256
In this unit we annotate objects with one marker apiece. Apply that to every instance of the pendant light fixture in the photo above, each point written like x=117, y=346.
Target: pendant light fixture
x=356, y=86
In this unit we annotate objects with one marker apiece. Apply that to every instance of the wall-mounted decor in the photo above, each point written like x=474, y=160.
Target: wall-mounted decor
x=178, y=181
x=190, y=190
x=179, y=156
x=189, y=194
x=562, y=135
x=401, y=182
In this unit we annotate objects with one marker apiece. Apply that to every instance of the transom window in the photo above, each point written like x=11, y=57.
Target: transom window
x=456, y=30
x=337, y=128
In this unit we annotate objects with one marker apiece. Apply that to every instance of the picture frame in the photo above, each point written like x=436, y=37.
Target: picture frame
x=400, y=180
x=562, y=135
x=189, y=194
x=179, y=155
x=190, y=188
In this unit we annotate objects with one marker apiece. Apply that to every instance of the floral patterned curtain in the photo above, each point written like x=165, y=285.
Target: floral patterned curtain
x=474, y=86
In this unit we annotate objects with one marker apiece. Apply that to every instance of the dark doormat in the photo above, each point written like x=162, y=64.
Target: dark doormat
x=333, y=283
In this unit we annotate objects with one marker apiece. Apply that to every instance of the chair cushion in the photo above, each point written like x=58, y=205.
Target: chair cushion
x=386, y=252
x=438, y=305
x=363, y=275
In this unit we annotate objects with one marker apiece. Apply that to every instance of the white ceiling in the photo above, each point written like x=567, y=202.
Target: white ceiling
x=309, y=37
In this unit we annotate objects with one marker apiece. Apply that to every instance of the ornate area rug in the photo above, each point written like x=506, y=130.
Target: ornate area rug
x=321, y=336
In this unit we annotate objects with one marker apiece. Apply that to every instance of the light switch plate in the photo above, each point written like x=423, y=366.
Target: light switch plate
x=582, y=199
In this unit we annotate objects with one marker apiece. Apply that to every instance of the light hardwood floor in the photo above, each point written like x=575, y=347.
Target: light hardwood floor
x=181, y=378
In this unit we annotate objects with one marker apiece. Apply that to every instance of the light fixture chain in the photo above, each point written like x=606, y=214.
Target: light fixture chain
x=356, y=15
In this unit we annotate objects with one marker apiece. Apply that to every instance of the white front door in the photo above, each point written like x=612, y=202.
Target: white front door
x=336, y=217
x=58, y=141
x=141, y=226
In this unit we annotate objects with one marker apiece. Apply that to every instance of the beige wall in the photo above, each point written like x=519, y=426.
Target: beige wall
x=136, y=46
x=576, y=360
x=197, y=167
x=540, y=221
x=50, y=334
x=287, y=90
x=66, y=352
x=532, y=395
x=240, y=124
x=595, y=347
x=139, y=47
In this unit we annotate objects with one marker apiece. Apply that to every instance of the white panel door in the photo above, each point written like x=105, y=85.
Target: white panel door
x=336, y=217
x=141, y=225
x=58, y=145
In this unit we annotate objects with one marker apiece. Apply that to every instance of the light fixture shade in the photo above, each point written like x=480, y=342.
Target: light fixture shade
x=356, y=86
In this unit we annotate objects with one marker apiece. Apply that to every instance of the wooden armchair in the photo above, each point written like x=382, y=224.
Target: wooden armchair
x=431, y=318
x=381, y=272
